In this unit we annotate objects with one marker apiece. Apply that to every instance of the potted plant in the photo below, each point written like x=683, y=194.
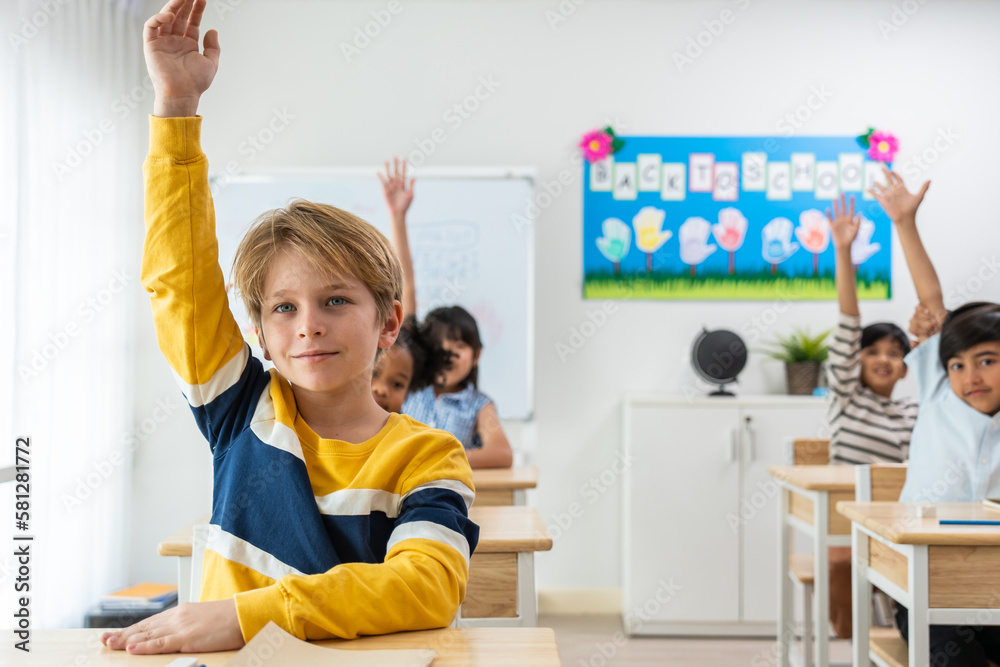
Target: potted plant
x=802, y=353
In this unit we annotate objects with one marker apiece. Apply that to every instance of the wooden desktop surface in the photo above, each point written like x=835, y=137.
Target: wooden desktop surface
x=501, y=530
x=488, y=647
x=899, y=523
x=816, y=478
x=492, y=479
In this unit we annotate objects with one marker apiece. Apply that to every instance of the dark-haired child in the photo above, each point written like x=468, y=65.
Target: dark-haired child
x=866, y=424
x=955, y=449
x=411, y=363
x=444, y=351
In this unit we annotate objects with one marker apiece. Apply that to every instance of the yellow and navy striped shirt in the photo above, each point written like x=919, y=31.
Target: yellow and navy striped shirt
x=326, y=538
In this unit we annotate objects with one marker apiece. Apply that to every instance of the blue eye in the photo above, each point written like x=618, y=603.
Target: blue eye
x=339, y=299
x=284, y=308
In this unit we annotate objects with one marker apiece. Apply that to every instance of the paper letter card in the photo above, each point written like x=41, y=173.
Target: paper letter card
x=702, y=166
x=718, y=219
x=649, y=172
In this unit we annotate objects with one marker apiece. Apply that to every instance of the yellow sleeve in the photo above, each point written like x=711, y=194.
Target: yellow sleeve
x=180, y=264
x=420, y=584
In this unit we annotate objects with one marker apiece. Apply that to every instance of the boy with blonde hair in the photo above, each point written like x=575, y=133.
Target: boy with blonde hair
x=330, y=517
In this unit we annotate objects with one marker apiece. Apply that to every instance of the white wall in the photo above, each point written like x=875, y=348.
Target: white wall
x=607, y=61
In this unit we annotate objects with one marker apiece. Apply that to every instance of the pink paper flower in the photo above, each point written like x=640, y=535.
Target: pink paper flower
x=882, y=146
x=596, y=145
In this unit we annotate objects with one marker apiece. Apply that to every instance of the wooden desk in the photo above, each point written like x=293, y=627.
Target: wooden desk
x=809, y=495
x=487, y=647
x=501, y=590
x=943, y=575
x=503, y=486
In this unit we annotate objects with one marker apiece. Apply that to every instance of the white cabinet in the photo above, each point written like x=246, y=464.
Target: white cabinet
x=700, y=511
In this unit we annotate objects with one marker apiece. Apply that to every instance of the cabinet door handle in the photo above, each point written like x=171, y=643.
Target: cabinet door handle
x=731, y=449
x=751, y=439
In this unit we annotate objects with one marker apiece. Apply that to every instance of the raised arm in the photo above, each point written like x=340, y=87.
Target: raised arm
x=180, y=269
x=197, y=333
x=901, y=206
x=844, y=229
x=398, y=197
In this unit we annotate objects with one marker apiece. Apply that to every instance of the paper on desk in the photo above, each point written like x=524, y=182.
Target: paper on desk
x=273, y=647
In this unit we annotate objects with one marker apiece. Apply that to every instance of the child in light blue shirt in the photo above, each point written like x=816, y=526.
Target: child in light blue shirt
x=955, y=447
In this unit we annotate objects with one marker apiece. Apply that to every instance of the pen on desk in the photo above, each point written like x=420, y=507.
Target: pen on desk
x=969, y=522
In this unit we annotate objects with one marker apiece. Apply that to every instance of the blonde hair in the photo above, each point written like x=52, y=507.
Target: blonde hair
x=332, y=240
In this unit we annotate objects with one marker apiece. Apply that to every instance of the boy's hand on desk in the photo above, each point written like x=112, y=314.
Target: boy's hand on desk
x=191, y=627
x=899, y=203
x=180, y=73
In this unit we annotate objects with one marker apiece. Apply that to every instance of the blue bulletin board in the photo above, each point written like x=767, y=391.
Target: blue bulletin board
x=729, y=218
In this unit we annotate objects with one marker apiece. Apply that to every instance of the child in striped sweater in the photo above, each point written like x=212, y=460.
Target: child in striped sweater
x=867, y=425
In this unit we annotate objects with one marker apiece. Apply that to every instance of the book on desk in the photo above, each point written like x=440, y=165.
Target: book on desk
x=141, y=597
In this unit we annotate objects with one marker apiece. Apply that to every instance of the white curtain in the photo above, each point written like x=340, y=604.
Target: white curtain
x=74, y=108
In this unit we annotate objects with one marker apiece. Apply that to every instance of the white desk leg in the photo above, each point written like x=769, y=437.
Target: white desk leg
x=785, y=636
x=183, y=579
x=821, y=521
x=920, y=649
x=861, y=595
x=527, y=602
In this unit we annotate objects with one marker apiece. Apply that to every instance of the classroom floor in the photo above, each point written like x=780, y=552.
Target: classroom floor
x=589, y=641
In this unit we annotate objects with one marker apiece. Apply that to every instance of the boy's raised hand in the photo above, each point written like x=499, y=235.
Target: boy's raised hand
x=179, y=71
x=899, y=203
x=923, y=324
x=844, y=224
x=398, y=193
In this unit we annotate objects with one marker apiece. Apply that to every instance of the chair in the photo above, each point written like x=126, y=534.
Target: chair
x=805, y=452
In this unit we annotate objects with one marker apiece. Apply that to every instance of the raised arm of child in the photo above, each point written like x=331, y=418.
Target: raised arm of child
x=198, y=335
x=496, y=451
x=844, y=227
x=923, y=325
x=398, y=197
x=844, y=367
x=901, y=206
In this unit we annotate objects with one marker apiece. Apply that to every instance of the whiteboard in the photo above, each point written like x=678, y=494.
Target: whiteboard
x=467, y=250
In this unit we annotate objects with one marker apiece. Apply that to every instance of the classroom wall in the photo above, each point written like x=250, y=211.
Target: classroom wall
x=926, y=75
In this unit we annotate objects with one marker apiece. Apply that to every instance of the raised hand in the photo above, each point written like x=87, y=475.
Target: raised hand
x=899, y=203
x=398, y=193
x=923, y=324
x=179, y=71
x=844, y=224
